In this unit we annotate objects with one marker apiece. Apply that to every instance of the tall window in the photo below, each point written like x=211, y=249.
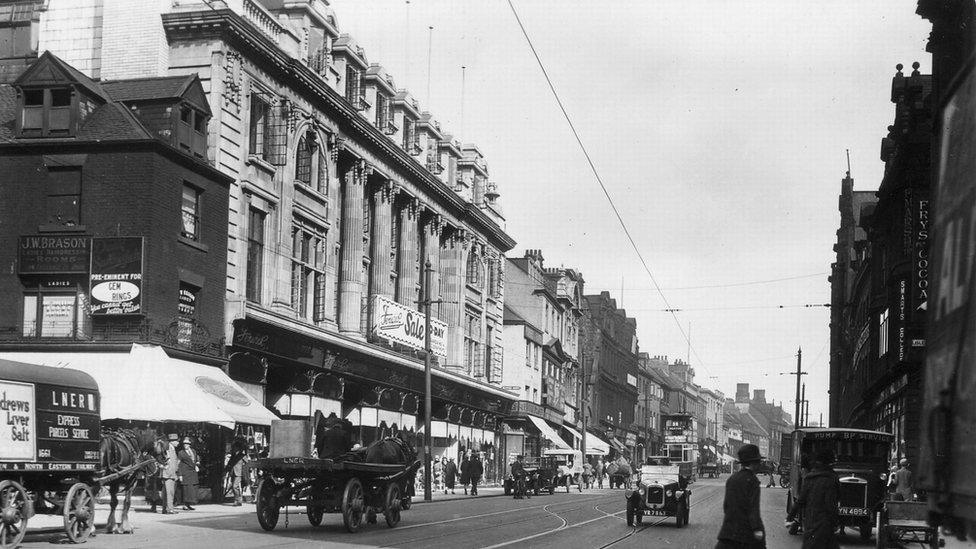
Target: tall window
x=355, y=91
x=303, y=161
x=384, y=114
x=255, y=254
x=883, y=333
x=191, y=134
x=47, y=112
x=260, y=127
x=489, y=350
x=63, y=202
x=190, y=210
x=472, y=353
x=308, y=270
x=411, y=142
x=475, y=270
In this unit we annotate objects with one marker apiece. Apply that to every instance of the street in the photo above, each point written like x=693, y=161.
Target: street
x=593, y=518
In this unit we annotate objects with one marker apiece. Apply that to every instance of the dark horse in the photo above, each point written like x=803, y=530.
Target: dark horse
x=334, y=440
x=123, y=448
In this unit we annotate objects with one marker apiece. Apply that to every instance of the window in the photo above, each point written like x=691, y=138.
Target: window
x=489, y=353
x=186, y=314
x=411, y=141
x=51, y=315
x=384, y=114
x=355, y=90
x=475, y=271
x=472, y=337
x=190, y=210
x=883, y=333
x=255, y=254
x=308, y=270
x=303, y=161
x=260, y=127
x=47, y=112
x=63, y=201
x=191, y=133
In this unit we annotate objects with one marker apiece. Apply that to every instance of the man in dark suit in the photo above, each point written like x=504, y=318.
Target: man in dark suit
x=475, y=471
x=742, y=527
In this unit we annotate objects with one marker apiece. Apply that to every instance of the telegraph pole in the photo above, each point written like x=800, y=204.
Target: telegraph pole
x=799, y=372
x=803, y=403
x=428, y=270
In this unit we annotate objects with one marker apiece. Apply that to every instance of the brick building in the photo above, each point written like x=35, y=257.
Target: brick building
x=113, y=239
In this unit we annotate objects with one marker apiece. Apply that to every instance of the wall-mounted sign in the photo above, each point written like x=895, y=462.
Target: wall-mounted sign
x=19, y=433
x=116, y=276
x=396, y=323
x=53, y=254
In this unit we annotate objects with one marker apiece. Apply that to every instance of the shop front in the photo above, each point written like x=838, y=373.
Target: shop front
x=379, y=391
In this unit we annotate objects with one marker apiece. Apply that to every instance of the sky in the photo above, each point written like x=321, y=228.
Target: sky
x=719, y=129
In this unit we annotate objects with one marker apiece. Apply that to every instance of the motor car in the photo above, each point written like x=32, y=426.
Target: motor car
x=569, y=467
x=662, y=491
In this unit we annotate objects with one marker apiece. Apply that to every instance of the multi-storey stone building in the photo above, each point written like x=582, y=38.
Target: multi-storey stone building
x=344, y=189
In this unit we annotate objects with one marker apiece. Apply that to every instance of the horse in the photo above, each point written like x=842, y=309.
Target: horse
x=333, y=435
x=123, y=448
x=334, y=440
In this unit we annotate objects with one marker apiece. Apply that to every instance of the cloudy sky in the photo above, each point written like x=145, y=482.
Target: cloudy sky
x=718, y=127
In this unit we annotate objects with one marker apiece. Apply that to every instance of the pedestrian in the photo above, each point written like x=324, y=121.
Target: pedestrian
x=587, y=474
x=742, y=527
x=892, y=480
x=770, y=482
x=237, y=465
x=450, y=475
x=437, y=473
x=465, y=472
x=599, y=473
x=169, y=473
x=818, y=504
x=611, y=470
x=903, y=482
x=188, y=471
x=155, y=495
x=476, y=470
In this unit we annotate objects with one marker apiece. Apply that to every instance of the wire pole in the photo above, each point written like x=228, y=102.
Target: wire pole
x=803, y=403
x=799, y=372
x=428, y=270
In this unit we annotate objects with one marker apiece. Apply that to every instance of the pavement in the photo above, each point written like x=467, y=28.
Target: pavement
x=591, y=519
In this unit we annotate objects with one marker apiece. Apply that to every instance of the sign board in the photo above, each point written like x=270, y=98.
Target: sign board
x=396, y=323
x=53, y=254
x=19, y=433
x=116, y=276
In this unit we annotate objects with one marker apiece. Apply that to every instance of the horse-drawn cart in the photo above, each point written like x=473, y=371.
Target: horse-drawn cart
x=358, y=490
x=49, y=449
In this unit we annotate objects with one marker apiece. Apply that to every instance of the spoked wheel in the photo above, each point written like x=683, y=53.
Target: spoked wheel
x=392, y=505
x=353, y=505
x=79, y=512
x=267, y=504
x=13, y=513
x=315, y=514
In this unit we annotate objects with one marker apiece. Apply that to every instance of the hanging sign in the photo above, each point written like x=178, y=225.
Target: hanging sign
x=116, y=276
x=396, y=323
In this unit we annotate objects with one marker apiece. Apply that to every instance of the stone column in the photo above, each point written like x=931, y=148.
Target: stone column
x=380, y=265
x=334, y=192
x=452, y=291
x=408, y=269
x=432, y=251
x=352, y=281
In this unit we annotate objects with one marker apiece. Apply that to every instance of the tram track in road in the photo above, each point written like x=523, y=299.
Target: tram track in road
x=638, y=529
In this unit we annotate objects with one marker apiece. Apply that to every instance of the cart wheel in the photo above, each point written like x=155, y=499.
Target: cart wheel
x=267, y=504
x=13, y=513
x=79, y=512
x=315, y=514
x=392, y=505
x=353, y=505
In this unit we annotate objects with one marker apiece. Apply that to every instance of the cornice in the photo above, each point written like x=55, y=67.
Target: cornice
x=225, y=23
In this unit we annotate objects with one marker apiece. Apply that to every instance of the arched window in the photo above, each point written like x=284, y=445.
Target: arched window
x=475, y=270
x=303, y=162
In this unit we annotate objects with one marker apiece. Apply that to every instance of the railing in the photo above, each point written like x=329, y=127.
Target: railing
x=185, y=334
x=262, y=19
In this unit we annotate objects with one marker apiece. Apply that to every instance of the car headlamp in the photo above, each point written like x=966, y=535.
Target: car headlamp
x=884, y=476
x=669, y=493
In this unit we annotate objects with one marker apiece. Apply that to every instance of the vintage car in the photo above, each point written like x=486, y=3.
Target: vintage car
x=542, y=475
x=860, y=461
x=662, y=491
x=569, y=464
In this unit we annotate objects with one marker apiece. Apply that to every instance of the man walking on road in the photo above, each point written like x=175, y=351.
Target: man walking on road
x=818, y=504
x=742, y=527
x=475, y=471
x=903, y=482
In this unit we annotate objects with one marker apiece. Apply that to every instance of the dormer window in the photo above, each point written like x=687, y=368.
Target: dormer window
x=47, y=112
x=191, y=134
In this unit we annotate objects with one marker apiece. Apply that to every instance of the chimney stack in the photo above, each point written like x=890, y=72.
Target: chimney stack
x=759, y=395
x=742, y=392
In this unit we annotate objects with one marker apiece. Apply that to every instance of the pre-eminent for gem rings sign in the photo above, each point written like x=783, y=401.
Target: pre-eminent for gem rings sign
x=396, y=323
x=116, y=276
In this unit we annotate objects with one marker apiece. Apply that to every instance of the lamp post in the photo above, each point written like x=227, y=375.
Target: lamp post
x=427, y=402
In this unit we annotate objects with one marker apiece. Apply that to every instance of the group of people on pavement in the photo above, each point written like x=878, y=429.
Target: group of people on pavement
x=816, y=504
x=177, y=475
x=445, y=473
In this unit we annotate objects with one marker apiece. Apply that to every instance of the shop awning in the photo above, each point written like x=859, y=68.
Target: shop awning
x=549, y=433
x=617, y=445
x=594, y=445
x=725, y=458
x=146, y=384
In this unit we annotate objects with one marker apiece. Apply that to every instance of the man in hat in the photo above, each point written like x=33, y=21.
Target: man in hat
x=169, y=473
x=903, y=482
x=742, y=527
x=818, y=504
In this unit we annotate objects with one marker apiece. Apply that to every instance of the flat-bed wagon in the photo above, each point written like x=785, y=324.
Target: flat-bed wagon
x=49, y=449
x=358, y=490
x=903, y=522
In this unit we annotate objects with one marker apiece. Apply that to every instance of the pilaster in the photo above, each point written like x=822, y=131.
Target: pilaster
x=380, y=261
x=452, y=292
x=408, y=255
x=352, y=281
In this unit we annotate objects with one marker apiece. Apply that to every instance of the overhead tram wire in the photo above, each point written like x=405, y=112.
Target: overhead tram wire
x=603, y=187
